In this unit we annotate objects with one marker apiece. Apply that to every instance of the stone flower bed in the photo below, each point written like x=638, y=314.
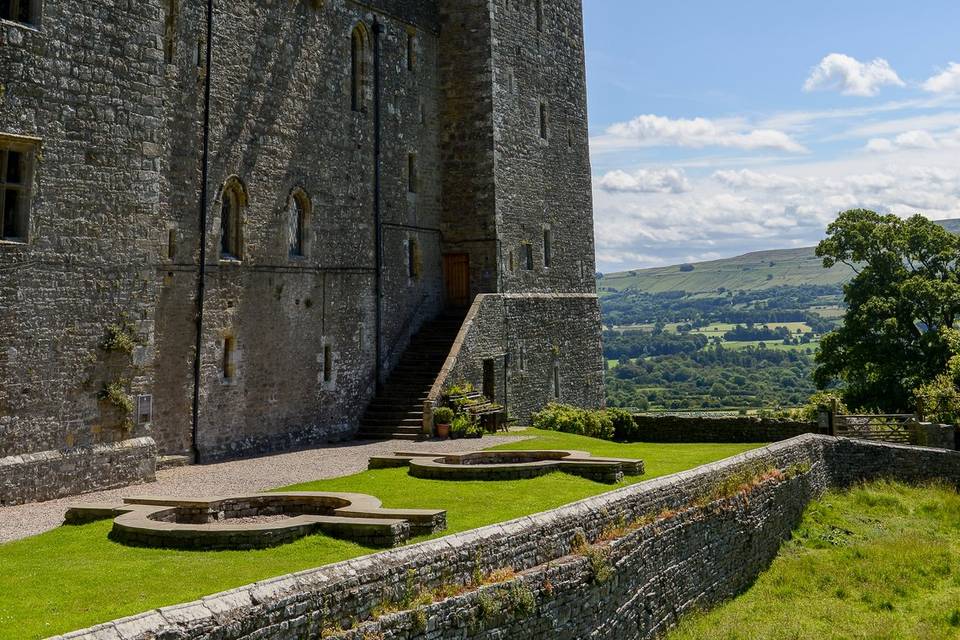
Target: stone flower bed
x=510, y=465
x=258, y=521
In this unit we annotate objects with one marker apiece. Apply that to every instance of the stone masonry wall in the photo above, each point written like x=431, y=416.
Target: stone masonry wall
x=687, y=558
x=543, y=177
x=545, y=335
x=47, y=475
x=732, y=429
x=281, y=121
x=92, y=97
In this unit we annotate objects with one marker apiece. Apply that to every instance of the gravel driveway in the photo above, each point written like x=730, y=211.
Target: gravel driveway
x=229, y=478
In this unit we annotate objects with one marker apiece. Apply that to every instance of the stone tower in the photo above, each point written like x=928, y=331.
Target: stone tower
x=517, y=200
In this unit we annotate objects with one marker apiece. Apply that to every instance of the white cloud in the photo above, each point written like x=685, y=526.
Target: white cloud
x=948, y=81
x=645, y=181
x=652, y=130
x=917, y=139
x=747, y=179
x=738, y=210
x=851, y=77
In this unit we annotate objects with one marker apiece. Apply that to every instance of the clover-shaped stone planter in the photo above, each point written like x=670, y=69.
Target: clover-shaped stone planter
x=257, y=521
x=510, y=465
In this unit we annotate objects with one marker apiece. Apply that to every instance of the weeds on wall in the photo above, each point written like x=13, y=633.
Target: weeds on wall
x=120, y=336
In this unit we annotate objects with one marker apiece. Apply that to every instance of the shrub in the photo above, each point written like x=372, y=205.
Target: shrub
x=461, y=426
x=810, y=411
x=568, y=419
x=459, y=389
x=442, y=415
x=624, y=427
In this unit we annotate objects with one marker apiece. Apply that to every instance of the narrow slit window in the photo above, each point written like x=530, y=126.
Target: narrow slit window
x=544, y=120
x=547, y=241
x=16, y=169
x=229, y=358
x=412, y=173
x=556, y=381
x=170, y=31
x=358, y=68
x=298, y=223
x=528, y=257
x=231, y=231
x=411, y=52
x=413, y=259
x=327, y=363
x=171, y=244
x=538, y=18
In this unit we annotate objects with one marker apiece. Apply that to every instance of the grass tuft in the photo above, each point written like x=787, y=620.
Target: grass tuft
x=879, y=561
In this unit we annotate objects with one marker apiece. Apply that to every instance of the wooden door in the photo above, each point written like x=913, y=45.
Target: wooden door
x=456, y=274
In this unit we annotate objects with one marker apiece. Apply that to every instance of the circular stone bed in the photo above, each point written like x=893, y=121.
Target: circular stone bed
x=510, y=465
x=258, y=521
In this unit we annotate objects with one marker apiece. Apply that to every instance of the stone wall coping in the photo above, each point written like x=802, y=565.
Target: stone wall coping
x=40, y=456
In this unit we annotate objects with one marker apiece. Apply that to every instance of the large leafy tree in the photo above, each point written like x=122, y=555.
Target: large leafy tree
x=901, y=304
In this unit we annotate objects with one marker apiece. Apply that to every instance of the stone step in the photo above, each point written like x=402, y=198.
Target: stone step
x=172, y=462
x=368, y=422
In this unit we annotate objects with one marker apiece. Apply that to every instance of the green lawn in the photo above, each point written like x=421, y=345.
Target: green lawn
x=75, y=577
x=880, y=562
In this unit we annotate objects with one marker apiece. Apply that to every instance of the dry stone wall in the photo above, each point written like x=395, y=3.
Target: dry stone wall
x=733, y=429
x=638, y=586
x=47, y=475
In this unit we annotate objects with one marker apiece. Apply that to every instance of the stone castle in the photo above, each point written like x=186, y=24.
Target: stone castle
x=223, y=222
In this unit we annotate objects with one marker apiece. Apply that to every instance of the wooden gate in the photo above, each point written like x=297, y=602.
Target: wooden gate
x=894, y=427
x=456, y=275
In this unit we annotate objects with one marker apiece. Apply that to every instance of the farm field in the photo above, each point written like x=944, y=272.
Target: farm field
x=881, y=561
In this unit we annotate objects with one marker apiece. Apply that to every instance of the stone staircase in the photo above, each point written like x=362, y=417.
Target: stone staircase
x=397, y=411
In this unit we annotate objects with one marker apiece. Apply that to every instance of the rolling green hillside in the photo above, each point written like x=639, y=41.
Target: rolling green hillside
x=749, y=272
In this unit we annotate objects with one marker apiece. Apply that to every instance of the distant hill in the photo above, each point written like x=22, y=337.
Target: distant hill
x=750, y=272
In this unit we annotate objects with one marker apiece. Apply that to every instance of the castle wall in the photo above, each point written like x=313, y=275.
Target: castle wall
x=281, y=120
x=552, y=340
x=92, y=97
x=680, y=557
x=535, y=196
x=543, y=183
x=466, y=129
x=113, y=95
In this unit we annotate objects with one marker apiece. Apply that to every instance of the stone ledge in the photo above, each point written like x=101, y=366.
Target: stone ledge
x=47, y=475
x=510, y=465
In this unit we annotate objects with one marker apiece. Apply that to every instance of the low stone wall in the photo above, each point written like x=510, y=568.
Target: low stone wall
x=931, y=434
x=680, y=558
x=744, y=429
x=47, y=475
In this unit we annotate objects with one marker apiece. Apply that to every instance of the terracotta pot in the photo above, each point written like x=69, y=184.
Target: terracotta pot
x=443, y=431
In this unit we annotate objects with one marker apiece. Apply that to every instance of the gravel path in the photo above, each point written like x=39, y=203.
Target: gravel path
x=229, y=478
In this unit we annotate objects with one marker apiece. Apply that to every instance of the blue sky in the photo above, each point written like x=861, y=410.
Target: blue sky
x=720, y=128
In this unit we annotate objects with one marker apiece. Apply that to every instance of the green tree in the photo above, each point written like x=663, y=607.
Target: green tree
x=905, y=291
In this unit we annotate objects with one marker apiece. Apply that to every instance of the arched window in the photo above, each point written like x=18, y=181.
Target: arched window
x=233, y=199
x=359, y=66
x=298, y=222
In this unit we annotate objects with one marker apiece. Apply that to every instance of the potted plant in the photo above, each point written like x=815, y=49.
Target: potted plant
x=442, y=417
